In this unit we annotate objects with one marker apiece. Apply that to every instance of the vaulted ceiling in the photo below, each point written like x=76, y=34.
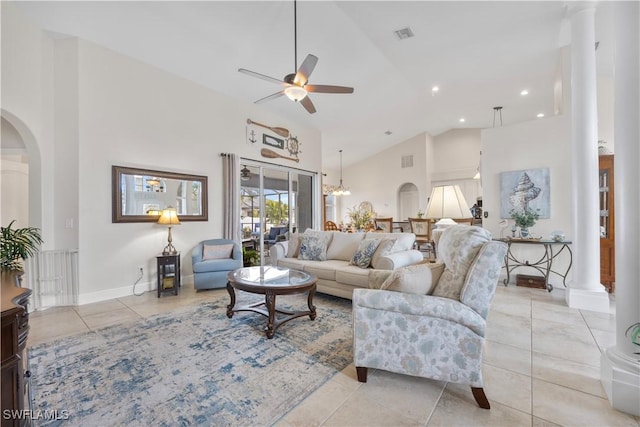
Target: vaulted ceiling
x=480, y=55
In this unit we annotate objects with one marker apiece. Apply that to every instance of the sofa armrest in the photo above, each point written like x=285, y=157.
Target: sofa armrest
x=399, y=259
x=404, y=304
x=278, y=251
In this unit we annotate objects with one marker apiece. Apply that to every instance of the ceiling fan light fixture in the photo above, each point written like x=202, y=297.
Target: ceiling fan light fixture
x=295, y=93
x=245, y=174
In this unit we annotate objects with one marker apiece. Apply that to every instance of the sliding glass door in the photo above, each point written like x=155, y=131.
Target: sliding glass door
x=275, y=201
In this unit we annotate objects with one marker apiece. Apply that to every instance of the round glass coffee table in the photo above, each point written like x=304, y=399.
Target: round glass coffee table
x=270, y=282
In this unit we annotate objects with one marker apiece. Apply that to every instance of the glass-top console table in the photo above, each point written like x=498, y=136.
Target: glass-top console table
x=544, y=264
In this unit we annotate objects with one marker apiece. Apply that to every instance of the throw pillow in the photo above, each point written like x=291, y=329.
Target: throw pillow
x=412, y=279
x=314, y=248
x=293, y=249
x=364, y=253
x=343, y=245
x=217, y=251
x=458, y=247
x=384, y=248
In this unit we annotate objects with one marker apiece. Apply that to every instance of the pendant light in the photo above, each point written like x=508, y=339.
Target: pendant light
x=341, y=190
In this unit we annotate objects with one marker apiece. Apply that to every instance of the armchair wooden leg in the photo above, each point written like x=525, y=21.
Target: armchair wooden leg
x=481, y=398
x=362, y=374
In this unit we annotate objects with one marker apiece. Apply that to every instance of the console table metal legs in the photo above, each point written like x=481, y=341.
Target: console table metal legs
x=543, y=264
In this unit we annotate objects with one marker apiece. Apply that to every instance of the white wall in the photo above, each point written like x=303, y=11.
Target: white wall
x=458, y=156
x=605, y=111
x=113, y=110
x=27, y=104
x=378, y=178
x=543, y=143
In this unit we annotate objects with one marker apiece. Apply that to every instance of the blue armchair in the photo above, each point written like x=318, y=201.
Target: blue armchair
x=212, y=260
x=274, y=235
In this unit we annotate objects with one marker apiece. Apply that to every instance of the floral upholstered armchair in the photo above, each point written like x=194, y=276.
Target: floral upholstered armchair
x=436, y=331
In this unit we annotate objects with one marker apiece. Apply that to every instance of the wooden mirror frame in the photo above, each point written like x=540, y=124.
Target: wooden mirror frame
x=116, y=195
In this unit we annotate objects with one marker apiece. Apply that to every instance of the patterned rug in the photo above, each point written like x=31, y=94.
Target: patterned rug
x=192, y=367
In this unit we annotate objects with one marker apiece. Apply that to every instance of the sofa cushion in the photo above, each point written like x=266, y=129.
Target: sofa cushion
x=295, y=263
x=293, y=248
x=354, y=276
x=383, y=249
x=362, y=257
x=414, y=279
x=217, y=251
x=225, y=264
x=458, y=247
x=343, y=245
x=314, y=247
x=403, y=241
x=324, y=270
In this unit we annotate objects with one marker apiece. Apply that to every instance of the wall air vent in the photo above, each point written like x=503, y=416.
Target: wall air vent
x=404, y=33
x=407, y=161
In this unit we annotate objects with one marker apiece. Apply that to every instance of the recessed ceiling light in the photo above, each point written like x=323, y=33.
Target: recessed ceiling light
x=435, y=89
x=540, y=115
x=461, y=119
x=524, y=92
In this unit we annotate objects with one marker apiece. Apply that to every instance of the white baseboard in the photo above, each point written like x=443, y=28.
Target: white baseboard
x=620, y=378
x=124, y=291
x=587, y=299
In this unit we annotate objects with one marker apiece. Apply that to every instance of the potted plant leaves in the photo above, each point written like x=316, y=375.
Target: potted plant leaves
x=18, y=244
x=250, y=257
x=524, y=219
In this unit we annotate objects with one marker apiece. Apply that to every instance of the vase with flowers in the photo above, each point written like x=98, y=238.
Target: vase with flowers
x=360, y=218
x=524, y=219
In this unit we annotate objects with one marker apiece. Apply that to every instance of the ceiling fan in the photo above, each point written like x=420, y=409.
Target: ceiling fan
x=295, y=85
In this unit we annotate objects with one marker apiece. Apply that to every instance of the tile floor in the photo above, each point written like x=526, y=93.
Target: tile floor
x=541, y=367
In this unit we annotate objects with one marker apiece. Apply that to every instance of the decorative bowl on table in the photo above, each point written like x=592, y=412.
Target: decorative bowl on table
x=557, y=236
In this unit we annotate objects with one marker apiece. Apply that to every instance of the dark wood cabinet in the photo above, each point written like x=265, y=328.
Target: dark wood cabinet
x=607, y=223
x=14, y=333
x=168, y=273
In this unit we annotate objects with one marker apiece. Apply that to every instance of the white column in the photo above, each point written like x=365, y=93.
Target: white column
x=585, y=291
x=620, y=365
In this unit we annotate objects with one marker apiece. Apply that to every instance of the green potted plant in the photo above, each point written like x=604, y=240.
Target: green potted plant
x=16, y=245
x=524, y=219
x=250, y=257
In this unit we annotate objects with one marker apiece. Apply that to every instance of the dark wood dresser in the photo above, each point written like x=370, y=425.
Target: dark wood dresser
x=15, y=330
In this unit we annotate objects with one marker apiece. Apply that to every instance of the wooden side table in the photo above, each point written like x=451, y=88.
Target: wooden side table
x=168, y=273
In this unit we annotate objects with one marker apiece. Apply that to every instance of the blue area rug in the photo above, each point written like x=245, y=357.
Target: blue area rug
x=192, y=367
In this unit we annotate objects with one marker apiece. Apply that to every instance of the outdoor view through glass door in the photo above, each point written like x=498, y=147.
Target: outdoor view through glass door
x=274, y=202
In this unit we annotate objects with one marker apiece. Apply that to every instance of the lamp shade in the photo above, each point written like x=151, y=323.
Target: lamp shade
x=447, y=201
x=169, y=216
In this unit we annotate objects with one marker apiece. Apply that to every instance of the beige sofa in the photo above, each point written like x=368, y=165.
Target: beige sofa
x=335, y=275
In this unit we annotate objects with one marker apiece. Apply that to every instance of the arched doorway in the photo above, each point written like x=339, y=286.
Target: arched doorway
x=408, y=201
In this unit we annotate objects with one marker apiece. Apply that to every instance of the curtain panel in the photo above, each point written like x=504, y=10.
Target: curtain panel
x=231, y=196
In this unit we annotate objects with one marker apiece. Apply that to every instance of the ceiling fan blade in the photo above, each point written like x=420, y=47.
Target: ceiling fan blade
x=328, y=89
x=270, y=97
x=305, y=70
x=308, y=105
x=261, y=76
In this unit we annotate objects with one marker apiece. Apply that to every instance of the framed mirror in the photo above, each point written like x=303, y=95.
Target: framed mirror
x=140, y=195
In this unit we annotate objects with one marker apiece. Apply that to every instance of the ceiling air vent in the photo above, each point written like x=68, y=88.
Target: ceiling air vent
x=404, y=33
x=407, y=161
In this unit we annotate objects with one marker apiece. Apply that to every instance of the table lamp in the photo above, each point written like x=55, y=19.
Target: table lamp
x=169, y=217
x=447, y=202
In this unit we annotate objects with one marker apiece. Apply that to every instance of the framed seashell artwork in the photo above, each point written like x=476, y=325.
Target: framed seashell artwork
x=525, y=190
